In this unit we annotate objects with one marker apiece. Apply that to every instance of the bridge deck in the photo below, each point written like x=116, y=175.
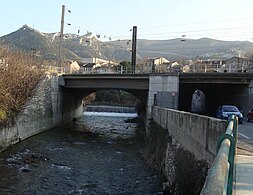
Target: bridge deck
x=106, y=81
x=226, y=78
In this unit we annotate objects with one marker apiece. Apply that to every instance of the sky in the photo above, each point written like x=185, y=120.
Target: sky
x=155, y=19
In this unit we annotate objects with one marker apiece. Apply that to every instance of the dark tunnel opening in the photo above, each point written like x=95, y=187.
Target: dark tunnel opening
x=216, y=94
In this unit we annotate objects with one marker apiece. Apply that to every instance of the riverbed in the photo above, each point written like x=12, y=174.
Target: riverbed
x=93, y=155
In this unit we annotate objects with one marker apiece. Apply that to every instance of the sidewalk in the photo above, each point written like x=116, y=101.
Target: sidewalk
x=243, y=174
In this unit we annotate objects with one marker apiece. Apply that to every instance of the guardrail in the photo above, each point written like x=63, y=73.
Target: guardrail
x=221, y=175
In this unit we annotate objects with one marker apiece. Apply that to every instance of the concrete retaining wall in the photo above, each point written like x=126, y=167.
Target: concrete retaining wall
x=50, y=106
x=197, y=134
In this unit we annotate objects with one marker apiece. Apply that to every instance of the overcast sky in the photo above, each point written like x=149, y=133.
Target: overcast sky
x=155, y=19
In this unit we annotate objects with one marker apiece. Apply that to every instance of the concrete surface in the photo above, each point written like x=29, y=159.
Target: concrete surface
x=244, y=175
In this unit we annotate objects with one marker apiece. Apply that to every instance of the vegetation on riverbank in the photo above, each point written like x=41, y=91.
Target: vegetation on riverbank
x=19, y=75
x=115, y=97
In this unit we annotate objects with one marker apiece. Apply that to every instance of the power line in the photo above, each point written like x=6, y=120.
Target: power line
x=238, y=32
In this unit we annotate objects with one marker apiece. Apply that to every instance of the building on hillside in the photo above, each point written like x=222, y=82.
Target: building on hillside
x=87, y=39
x=104, y=68
x=186, y=69
x=174, y=67
x=96, y=60
x=98, y=65
x=158, y=64
x=207, y=65
x=237, y=64
x=71, y=67
x=88, y=67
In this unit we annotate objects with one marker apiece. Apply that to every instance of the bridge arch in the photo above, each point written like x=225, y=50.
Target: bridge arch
x=83, y=85
x=80, y=93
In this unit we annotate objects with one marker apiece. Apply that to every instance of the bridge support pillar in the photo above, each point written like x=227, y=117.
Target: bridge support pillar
x=163, y=92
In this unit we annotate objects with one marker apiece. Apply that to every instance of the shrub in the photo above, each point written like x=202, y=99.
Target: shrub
x=19, y=75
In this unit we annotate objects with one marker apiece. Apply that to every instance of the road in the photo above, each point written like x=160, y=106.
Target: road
x=245, y=138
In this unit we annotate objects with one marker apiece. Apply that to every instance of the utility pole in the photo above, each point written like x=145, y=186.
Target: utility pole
x=61, y=35
x=133, y=62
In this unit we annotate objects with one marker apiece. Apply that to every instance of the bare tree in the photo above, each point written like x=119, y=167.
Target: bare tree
x=19, y=75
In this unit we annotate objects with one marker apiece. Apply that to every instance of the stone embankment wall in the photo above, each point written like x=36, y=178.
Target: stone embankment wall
x=182, y=173
x=196, y=133
x=50, y=106
x=181, y=146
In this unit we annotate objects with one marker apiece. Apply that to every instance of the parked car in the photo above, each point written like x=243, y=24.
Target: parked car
x=226, y=110
x=250, y=115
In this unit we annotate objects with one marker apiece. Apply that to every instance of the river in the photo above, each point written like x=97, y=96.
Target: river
x=93, y=155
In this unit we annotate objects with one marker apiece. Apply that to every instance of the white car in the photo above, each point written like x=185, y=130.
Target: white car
x=226, y=110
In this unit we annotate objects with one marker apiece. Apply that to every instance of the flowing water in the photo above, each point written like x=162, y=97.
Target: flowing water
x=94, y=155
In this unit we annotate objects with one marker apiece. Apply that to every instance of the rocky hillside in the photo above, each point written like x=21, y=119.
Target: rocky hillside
x=76, y=47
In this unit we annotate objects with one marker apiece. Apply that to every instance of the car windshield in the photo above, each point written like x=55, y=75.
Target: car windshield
x=230, y=109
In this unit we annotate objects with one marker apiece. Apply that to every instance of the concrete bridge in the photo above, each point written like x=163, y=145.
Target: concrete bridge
x=172, y=91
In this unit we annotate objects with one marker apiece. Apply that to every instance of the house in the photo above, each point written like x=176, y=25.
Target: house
x=88, y=67
x=71, y=67
x=186, y=69
x=174, y=67
x=104, y=68
x=158, y=64
x=207, y=65
x=237, y=64
x=98, y=65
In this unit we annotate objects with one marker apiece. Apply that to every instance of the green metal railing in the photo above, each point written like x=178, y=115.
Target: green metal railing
x=221, y=175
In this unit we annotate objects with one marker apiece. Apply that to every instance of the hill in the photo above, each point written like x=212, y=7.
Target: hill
x=30, y=40
x=46, y=45
x=190, y=48
x=75, y=47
